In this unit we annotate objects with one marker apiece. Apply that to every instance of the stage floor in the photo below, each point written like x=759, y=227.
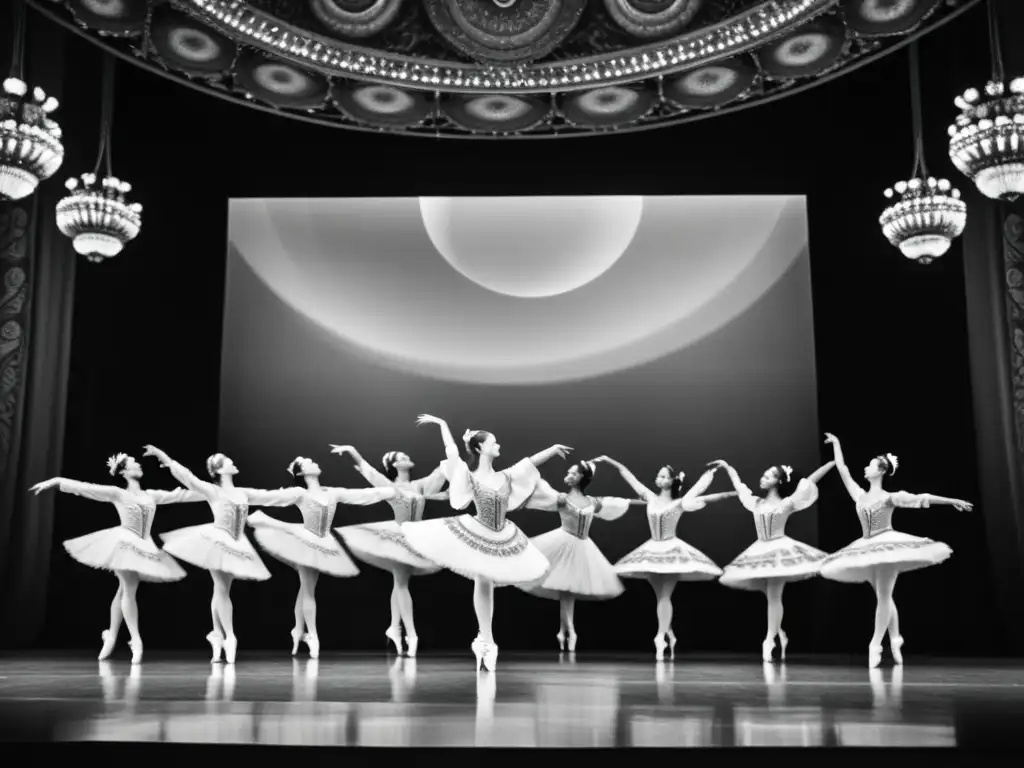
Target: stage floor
x=531, y=701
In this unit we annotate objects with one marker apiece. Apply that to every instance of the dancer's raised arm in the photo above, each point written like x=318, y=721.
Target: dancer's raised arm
x=362, y=466
x=362, y=497
x=820, y=472
x=183, y=474
x=561, y=451
x=109, y=493
x=451, y=448
x=923, y=500
x=641, y=490
x=177, y=496
x=702, y=484
x=852, y=488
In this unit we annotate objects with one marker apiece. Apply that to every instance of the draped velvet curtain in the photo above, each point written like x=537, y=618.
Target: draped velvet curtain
x=37, y=275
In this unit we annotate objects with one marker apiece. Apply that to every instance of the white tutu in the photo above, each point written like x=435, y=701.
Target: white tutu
x=469, y=548
x=860, y=560
x=295, y=545
x=783, y=558
x=384, y=545
x=212, y=548
x=668, y=557
x=577, y=567
x=118, y=549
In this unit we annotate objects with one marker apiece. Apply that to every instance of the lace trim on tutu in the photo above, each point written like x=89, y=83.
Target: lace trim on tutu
x=514, y=546
x=393, y=537
x=857, y=550
x=323, y=549
x=231, y=550
x=783, y=558
x=675, y=555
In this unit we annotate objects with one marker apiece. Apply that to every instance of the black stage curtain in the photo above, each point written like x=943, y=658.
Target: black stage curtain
x=37, y=265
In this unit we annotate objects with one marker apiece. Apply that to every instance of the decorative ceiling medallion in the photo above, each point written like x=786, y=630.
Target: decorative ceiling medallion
x=182, y=43
x=608, y=107
x=490, y=31
x=382, y=105
x=806, y=51
x=652, y=19
x=874, y=18
x=712, y=85
x=279, y=83
x=496, y=113
x=356, y=18
x=111, y=17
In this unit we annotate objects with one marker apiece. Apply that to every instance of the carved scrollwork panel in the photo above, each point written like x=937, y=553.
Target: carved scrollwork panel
x=14, y=236
x=1013, y=263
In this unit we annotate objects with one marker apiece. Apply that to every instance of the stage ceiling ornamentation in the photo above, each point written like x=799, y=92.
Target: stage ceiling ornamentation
x=501, y=68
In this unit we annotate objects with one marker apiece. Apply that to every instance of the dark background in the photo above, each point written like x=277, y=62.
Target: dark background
x=890, y=338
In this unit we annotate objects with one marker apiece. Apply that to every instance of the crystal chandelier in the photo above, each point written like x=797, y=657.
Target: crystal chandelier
x=929, y=213
x=986, y=142
x=30, y=147
x=97, y=216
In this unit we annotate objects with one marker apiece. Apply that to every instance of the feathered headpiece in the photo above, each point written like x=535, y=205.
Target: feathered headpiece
x=591, y=467
x=468, y=435
x=299, y=460
x=788, y=470
x=387, y=459
x=893, y=462
x=680, y=476
x=116, y=461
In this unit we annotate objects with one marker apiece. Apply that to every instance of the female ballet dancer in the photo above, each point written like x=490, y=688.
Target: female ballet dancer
x=220, y=547
x=664, y=560
x=308, y=547
x=775, y=558
x=383, y=544
x=484, y=546
x=578, y=569
x=881, y=553
x=128, y=550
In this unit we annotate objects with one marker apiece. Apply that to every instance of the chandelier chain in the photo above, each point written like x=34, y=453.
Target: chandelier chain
x=998, y=70
x=916, y=112
x=18, y=47
x=106, y=117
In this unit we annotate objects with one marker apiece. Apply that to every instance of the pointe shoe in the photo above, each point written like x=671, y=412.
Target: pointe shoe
x=109, y=641
x=767, y=648
x=230, y=649
x=896, y=646
x=395, y=636
x=659, y=648
x=671, y=645
x=412, y=642
x=874, y=655
x=561, y=640
x=296, y=639
x=783, y=642
x=478, y=648
x=136, y=646
x=216, y=641
x=572, y=642
x=490, y=656
x=313, y=643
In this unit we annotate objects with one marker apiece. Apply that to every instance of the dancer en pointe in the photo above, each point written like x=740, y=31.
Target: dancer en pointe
x=383, y=545
x=128, y=550
x=578, y=569
x=220, y=547
x=664, y=560
x=881, y=553
x=484, y=546
x=308, y=547
x=774, y=559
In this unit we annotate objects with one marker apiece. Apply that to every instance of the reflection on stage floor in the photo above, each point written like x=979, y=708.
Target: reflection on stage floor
x=529, y=702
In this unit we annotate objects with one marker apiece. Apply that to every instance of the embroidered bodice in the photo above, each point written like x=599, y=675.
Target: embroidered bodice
x=230, y=516
x=137, y=516
x=575, y=520
x=135, y=511
x=492, y=504
x=408, y=506
x=876, y=516
x=770, y=518
x=316, y=516
x=663, y=519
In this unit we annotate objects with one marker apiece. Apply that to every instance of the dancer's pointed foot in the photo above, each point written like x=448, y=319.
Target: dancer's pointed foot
x=767, y=648
x=230, y=649
x=561, y=639
x=412, y=643
x=296, y=639
x=783, y=642
x=109, y=641
x=394, y=634
x=216, y=641
x=671, y=644
x=659, y=648
x=313, y=643
x=136, y=646
x=896, y=646
x=572, y=642
x=874, y=655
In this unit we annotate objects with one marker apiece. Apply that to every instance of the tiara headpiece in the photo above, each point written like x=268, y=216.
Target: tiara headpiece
x=591, y=467
x=115, y=461
x=788, y=470
x=387, y=458
x=468, y=435
x=298, y=462
x=893, y=462
x=680, y=476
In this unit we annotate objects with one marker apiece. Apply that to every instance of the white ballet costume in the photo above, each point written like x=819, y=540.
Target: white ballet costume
x=128, y=547
x=309, y=543
x=577, y=568
x=774, y=556
x=882, y=547
x=384, y=544
x=664, y=554
x=486, y=543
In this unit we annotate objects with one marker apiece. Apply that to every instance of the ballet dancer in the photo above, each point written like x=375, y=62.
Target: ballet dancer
x=128, y=550
x=383, y=545
x=220, y=547
x=578, y=569
x=774, y=559
x=308, y=547
x=484, y=546
x=664, y=560
x=881, y=553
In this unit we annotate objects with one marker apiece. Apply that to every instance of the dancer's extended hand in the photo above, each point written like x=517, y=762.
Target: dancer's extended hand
x=963, y=506
x=426, y=418
x=831, y=439
x=561, y=451
x=341, y=450
x=717, y=464
x=45, y=485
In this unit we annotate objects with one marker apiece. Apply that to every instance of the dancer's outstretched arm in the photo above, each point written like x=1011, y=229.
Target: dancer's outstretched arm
x=820, y=472
x=451, y=448
x=702, y=484
x=177, y=496
x=362, y=466
x=183, y=474
x=641, y=490
x=852, y=488
x=734, y=476
x=109, y=493
x=362, y=497
x=920, y=500
x=277, y=497
x=559, y=450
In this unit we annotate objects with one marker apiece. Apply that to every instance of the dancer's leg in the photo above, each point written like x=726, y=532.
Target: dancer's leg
x=222, y=602
x=218, y=627
x=116, y=616
x=402, y=574
x=308, y=578
x=568, y=602
x=396, y=609
x=665, y=609
x=884, y=583
x=483, y=604
x=129, y=604
x=300, y=620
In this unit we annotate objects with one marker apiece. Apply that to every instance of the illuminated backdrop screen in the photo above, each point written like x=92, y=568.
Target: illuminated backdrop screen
x=653, y=329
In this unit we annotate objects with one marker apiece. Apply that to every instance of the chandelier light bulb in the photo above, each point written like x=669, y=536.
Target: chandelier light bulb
x=97, y=217
x=30, y=141
x=926, y=218
x=986, y=141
